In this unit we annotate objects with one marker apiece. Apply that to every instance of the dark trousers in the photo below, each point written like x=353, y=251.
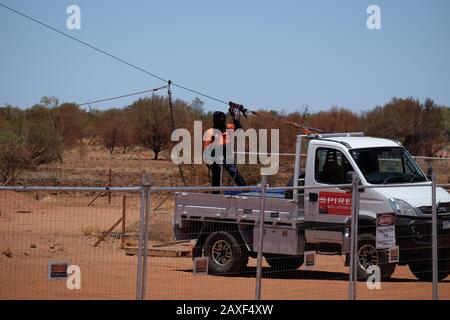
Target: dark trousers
x=232, y=170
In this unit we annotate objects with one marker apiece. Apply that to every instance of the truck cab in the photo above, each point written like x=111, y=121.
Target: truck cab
x=379, y=164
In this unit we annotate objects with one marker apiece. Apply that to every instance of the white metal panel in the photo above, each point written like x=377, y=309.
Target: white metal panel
x=357, y=142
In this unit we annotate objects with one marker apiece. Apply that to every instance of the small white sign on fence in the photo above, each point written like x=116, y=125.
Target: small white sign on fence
x=200, y=266
x=310, y=260
x=57, y=270
x=394, y=254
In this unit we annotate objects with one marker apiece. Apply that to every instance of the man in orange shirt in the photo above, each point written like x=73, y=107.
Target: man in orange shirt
x=219, y=123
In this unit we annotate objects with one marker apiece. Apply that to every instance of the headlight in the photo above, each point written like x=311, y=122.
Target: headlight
x=402, y=208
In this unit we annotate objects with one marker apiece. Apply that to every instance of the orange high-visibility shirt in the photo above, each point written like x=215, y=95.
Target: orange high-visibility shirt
x=224, y=138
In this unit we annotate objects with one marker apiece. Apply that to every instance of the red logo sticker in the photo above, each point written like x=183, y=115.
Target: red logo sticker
x=338, y=203
x=386, y=220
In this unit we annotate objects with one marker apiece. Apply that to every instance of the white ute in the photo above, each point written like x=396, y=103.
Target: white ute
x=225, y=227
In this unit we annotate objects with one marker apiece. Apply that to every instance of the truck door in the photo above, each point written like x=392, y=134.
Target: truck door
x=327, y=210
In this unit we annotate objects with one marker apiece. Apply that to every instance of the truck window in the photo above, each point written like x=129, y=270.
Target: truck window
x=331, y=166
x=387, y=165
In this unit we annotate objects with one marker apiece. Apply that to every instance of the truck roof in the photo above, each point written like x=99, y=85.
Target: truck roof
x=359, y=142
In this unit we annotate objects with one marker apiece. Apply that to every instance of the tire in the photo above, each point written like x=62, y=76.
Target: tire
x=368, y=256
x=422, y=270
x=280, y=262
x=225, y=254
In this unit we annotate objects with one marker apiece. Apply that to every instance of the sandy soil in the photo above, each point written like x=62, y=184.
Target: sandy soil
x=172, y=279
x=32, y=232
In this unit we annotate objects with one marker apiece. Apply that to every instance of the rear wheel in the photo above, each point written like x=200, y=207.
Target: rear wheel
x=280, y=262
x=369, y=256
x=225, y=253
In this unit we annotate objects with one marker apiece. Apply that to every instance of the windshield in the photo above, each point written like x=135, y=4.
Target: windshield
x=387, y=165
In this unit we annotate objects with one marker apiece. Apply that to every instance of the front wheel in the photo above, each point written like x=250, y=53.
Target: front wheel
x=369, y=256
x=423, y=269
x=225, y=253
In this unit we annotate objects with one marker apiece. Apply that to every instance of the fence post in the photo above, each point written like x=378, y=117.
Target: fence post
x=434, y=237
x=124, y=219
x=297, y=167
x=261, y=237
x=142, y=237
x=353, y=274
x=110, y=185
x=148, y=193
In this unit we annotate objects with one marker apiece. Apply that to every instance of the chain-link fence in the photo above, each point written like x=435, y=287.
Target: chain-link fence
x=265, y=242
x=307, y=244
x=46, y=232
x=440, y=242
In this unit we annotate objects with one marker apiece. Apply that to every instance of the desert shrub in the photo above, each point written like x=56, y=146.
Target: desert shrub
x=13, y=155
x=421, y=127
x=40, y=137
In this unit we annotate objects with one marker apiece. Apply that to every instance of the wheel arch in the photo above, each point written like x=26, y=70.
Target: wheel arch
x=243, y=234
x=367, y=222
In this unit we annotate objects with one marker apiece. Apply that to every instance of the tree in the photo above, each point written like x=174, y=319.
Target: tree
x=196, y=107
x=68, y=122
x=433, y=128
x=13, y=155
x=12, y=118
x=114, y=130
x=150, y=118
x=398, y=119
x=419, y=126
x=127, y=138
x=446, y=115
x=39, y=136
x=49, y=102
x=90, y=125
x=335, y=120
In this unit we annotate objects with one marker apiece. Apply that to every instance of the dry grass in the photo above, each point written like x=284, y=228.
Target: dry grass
x=91, y=231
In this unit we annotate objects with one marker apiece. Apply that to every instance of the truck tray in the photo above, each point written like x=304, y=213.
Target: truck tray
x=235, y=208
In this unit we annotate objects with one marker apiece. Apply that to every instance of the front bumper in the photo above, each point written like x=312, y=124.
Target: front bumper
x=414, y=238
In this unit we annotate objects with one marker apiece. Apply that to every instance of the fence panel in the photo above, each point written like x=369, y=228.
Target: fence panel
x=443, y=240
x=412, y=236
x=170, y=266
x=293, y=270
x=283, y=276
x=288, y=276
x=40, y=227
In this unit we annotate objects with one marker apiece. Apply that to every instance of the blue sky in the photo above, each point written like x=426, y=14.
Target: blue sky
x=264, y=54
